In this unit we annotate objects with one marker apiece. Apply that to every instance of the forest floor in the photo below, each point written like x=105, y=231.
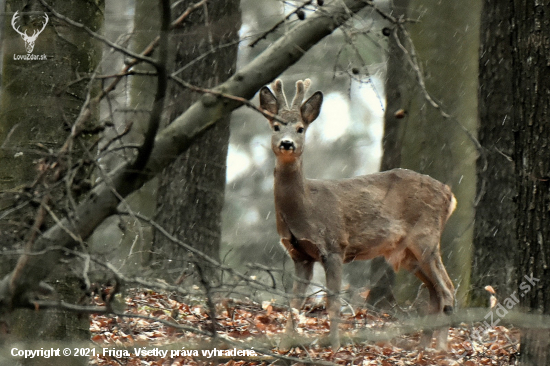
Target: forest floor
x=144, y=336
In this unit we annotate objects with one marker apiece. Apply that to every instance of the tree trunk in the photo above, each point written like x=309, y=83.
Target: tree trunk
x=495, y=226
x=38, y=106
x=191, y=190
x=126, y=240
x=511, y=222
x=530, y=84
x=399, y=81
x=445, y=43
x=147, y=24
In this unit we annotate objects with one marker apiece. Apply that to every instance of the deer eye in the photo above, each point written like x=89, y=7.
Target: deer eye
x=276, y=128
x=300, y=130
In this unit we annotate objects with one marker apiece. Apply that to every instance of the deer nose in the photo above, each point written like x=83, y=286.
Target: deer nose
x=286, y=145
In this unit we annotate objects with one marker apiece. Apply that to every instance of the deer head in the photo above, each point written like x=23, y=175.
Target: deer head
x=29, y=40
x=289, y=129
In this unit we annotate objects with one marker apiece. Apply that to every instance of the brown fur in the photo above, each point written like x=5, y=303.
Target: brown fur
x=398, y=214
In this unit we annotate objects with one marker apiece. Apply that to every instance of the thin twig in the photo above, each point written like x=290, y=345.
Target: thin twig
x=119, y=136
x=187, y=12
x=279, y=23
x=413, y=62
x=98, y=36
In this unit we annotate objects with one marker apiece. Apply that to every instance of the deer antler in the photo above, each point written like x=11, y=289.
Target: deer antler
x=277, y=87
x=13, y=20
x=301, y=89
x=35, y=33
x=46, y=19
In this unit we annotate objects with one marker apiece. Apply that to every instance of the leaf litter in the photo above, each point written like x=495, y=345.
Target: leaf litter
x=148, y=315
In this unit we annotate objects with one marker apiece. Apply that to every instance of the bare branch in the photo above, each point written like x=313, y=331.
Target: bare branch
x=279, y=23
x=187, y=12
x=162, y=83
x=413, y=62
x=243, y=101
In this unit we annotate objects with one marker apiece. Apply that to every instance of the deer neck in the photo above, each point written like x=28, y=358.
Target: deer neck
x=291, y=192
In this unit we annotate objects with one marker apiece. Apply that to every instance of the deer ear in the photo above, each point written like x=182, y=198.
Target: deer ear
x=311, y=107
x=268, y=101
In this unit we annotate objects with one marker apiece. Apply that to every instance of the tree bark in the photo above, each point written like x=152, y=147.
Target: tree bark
x=191, y=190
x=530, y=85
x=38, y=102
x=495, y=241
x=511, y=221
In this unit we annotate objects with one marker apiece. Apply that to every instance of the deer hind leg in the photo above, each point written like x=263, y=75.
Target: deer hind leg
x=431, y=271
x=441, y=295
x=433, y=308
x=424, y=260
x=332, y=264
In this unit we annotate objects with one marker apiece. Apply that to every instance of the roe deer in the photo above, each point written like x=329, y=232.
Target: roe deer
x=398, y=214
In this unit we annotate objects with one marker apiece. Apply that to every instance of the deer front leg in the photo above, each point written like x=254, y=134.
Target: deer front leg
x=303, y=271
x=332, y=263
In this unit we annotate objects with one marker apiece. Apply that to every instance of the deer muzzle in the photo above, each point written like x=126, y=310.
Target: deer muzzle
x=287, y=145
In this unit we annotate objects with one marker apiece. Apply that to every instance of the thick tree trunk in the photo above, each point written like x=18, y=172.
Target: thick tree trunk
x=38, y=104
x=531, y=83
x=126, y=240
x=191, y=190
x=511, y=222
x=494, y=231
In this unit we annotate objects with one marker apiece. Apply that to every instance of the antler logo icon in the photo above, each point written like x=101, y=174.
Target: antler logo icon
x=29, y=40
